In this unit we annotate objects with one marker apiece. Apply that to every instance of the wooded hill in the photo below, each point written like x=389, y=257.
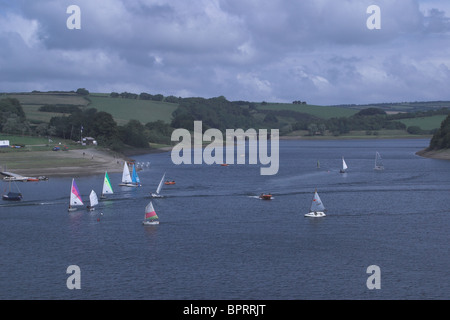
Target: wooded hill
x=117, y=119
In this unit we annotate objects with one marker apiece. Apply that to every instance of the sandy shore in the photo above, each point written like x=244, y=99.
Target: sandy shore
x=62, y=163
x=435, y=154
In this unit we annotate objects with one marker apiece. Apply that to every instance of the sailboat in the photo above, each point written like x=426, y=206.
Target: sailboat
x=135, y=178
x=12, y=196
x=344, y=166
x=317, y=209
x=318, y=164
x=127, y=180
x=107, y=188
x=93, y=201
x=150, y=217
x=75, y=198
x=378, y=162
x=158, y=189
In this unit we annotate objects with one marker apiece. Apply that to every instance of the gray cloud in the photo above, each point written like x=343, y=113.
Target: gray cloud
x=319, y=51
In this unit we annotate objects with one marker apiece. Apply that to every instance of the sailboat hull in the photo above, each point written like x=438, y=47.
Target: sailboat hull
x=155, y=195
x=150, y=223
x=315, y=214
x=134, y=185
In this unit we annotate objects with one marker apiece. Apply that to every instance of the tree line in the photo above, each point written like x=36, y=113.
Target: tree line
x=102, y=126
x=145, y=96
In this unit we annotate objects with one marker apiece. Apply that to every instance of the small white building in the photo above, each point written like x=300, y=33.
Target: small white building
x=88, y=141
x=4, y=143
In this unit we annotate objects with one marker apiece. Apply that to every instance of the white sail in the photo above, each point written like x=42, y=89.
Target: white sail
x=316, y=204
x=378, y=162
x=344, y=165
x=158, y=190
x=93, y=198
x=126, y=177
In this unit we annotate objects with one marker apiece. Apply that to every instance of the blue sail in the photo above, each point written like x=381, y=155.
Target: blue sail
x=317, y=204
x=135, y=177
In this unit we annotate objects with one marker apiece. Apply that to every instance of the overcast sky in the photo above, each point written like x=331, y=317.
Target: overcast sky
x=319, y=51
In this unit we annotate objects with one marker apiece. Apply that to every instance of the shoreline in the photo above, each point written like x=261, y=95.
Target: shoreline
x=82, y=162
x=434, y=154
x=77, y=162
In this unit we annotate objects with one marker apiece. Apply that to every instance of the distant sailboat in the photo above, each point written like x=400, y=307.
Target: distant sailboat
x=344, y=166
x=127, y=180
x=318, y=164
x=317, y=208
x=378, y=162
x=75, y=198
x=107, y=188
x=158, y=189
x=150, y=218
x=93, y=201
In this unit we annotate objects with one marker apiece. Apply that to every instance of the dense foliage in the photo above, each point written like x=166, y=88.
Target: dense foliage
x=216, y=113
x=12, y=117
x=441, y=139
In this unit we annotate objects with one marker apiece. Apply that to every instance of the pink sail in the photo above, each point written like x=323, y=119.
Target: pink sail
x=75, y=198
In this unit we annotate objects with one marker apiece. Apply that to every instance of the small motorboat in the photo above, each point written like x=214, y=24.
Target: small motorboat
x=169, y=182
x=265, y=196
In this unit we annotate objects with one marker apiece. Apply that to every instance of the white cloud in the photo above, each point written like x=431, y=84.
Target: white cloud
x=12, y=23
x=315, y=50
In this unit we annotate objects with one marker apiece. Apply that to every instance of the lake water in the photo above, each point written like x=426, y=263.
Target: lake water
x=217, y=240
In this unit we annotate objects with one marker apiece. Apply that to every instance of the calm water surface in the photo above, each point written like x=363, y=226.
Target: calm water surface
x=217, y=240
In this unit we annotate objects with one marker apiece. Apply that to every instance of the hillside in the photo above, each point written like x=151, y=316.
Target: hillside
x=395, y=107
x=292, y=119
x=124, y=110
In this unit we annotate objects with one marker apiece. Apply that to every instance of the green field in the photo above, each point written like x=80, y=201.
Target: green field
x=26, y=140
x=31, y=102
x=35, y=144
x=323, y=112
x=425, y=123
x=40, y=99
x=124, y=110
